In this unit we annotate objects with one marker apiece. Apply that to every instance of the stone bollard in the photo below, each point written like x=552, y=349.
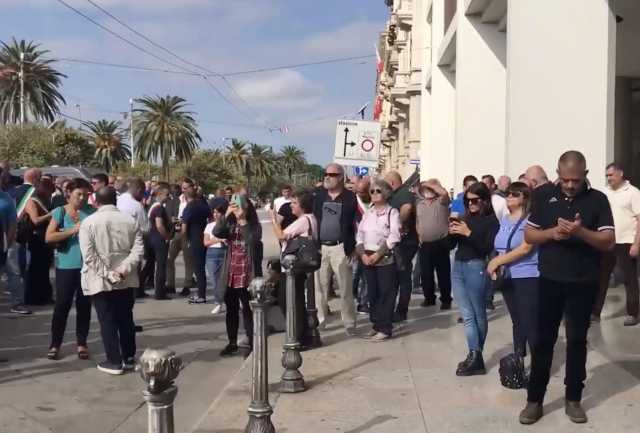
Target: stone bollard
x=159, y=368
x=260, y=410
x=292, y=380
x=313, y=334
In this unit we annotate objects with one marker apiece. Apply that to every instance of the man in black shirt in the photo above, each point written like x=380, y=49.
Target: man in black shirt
x=194, y=220
x=404, y=200
x=158, y=240
x=573, y=225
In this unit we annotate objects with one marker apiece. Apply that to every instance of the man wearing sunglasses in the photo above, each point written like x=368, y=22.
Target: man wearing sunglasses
x=572, y=224
x=335, y=209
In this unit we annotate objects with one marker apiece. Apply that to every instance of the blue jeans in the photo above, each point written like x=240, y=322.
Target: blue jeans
x=215, y=260
x=14, y=279
x=469, y=290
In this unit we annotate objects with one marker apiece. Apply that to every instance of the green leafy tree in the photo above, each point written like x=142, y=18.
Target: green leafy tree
x=164, y=130
x=261, y=162
x=208, y=169
x=41, y=83
x=292, y=158
x=236, y=155
x=108, y=138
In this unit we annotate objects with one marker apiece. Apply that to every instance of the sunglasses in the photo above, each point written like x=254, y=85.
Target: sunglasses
x=514, y=194
x=332, y=175
x=375, y=191
x=474, y=201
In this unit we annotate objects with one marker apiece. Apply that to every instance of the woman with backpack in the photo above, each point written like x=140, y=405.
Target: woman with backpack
x=516, y=269
x=62, y=233
x=378, y=234
x=305, y=226
x=242, y=231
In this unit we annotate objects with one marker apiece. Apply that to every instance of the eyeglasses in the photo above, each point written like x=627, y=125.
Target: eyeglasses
x=332, y=175
x=514, y=194
x=375, y=191
x=474, y=201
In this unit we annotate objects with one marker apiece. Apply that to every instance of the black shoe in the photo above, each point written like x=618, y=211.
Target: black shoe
x=109, y=368
x=466, y=361
x=363, y=309
x=171, y=290
x=531, y=413
x=399, y=318
x=197, y=300
x=575, y=412
x=490, y=305
x=445, y=306
x=138, y=328
x=474, y=367
x=428, y=303
x=161, y=297
x=229, y=350
x=20, y=309
x=185, y=291
x=141, y=294
x=129, y=364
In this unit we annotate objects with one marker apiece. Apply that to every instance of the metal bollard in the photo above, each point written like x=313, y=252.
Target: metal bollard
x=313, y=334
x=259, y=409
x=292, y=379
x=159, y=368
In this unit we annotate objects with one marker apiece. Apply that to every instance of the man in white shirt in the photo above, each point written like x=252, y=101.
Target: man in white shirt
x=285, y=198
x=112, y=248
x=624, y=199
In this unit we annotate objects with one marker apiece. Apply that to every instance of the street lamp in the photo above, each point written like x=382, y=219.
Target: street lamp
x=131, y=142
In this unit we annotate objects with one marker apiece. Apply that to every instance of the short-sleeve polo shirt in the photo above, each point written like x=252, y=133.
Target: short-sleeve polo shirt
x=571, y=260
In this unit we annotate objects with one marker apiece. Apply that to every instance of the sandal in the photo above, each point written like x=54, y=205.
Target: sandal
x=83, y=353
x=53, y=354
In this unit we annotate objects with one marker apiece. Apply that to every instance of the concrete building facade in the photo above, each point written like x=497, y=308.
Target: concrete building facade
x=499, y=85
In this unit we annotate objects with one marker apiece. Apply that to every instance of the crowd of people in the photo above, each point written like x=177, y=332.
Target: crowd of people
x=548, y=247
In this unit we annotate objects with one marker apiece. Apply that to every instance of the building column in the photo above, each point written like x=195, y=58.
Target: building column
x=560, y=84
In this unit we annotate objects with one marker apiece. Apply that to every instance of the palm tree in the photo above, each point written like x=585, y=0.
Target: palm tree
x=292, y=158
x=164, y=130
x=108, y=138
x=41, y=83
x=237, y=155
x=261, y=161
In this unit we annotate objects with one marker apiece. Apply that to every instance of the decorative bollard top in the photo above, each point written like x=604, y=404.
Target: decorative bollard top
x=159, y=367
x=259, y=291
x=288, y=261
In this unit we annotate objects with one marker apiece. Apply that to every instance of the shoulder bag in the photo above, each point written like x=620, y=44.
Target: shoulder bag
x=306, y=250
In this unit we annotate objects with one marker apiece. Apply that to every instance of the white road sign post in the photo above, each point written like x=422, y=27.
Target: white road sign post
x=357, y=143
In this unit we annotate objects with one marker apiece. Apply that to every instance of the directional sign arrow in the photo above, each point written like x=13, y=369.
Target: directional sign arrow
x=346, y=142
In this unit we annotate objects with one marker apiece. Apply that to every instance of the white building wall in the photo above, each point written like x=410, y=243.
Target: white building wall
x=480, y=98
x=560, y=83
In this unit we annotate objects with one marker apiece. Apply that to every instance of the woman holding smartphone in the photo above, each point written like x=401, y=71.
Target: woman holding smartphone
x=241, y=230
x=474, y=234
x=519, y=261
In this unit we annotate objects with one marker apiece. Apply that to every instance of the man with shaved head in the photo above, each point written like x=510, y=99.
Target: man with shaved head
x=404, y=200
x=572, y=226
x=536, y=177
x=335, y=208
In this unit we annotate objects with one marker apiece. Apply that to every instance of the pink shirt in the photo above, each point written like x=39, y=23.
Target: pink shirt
x=300, y=227
x=379, y=226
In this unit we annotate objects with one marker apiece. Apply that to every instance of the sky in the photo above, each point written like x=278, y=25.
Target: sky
x=222, y=36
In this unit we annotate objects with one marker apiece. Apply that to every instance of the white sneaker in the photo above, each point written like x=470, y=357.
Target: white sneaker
x=218, y=309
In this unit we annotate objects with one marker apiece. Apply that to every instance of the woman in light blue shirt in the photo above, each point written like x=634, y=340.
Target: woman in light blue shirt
x=520, y=266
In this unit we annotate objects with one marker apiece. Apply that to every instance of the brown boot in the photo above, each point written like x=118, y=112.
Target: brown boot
x=575, y=412
x=531, y=413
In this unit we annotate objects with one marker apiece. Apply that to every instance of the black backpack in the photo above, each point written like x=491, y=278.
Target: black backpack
x=512, y=373
x=307, y=253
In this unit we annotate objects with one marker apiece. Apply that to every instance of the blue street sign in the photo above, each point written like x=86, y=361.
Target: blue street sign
x=362, y=171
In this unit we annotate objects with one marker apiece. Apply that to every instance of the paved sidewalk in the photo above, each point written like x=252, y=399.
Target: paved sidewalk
x=408, y=385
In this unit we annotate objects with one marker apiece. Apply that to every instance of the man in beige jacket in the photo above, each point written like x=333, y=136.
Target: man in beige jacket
x=112, y=247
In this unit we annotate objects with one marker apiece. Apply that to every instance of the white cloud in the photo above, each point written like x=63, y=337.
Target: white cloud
x=354, y=38
x=284, y=90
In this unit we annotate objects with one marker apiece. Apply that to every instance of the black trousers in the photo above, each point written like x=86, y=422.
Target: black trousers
x=382, y=287
x=146, y=272
x=408, y=251
x=629, y=267
x=115, y=313
x=302, y=323
x=199, y=259
x=67, y=287
x=434, y=257
x=157, y=255
x=232, y=299
x=574, y=302
x=522, y=297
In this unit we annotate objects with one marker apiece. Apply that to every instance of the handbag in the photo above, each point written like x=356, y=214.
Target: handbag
x=502, y=273
x=398, y=258
x=306, y=250
x=512, y=373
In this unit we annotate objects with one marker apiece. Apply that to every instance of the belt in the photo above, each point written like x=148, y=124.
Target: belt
x=330, y=243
